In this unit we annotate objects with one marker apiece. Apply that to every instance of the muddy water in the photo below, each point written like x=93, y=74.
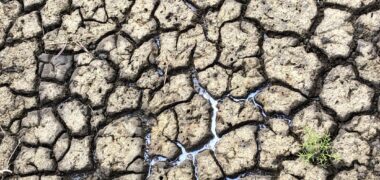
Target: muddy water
x=210, y=145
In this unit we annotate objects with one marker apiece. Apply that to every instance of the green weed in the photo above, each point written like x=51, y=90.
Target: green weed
x=316, y=148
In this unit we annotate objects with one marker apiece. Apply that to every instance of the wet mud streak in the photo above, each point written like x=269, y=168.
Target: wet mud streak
x=191, y=154
x=210, y=145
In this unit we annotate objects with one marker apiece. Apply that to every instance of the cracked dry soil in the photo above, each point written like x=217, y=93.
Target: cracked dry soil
x=188, y=89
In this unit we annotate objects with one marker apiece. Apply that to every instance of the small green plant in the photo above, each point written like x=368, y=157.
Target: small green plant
x=316, y=148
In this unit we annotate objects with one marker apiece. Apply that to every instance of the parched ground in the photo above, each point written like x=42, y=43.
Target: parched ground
x=188, y=89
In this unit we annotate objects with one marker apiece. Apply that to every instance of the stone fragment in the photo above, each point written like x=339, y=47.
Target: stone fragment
x=34, y=160
x=51, y=13
x=275, y=143
x=194, y=40
x=75, y=34
x=61, y=146
x=349, y=147
x=177, y=89
x=315, y=118
x=93, y=81
x=174, y=14
x=246, y=78
x=26, y=26
x=12, y=106
x=279, y=99
x=7, y=146
x=207, y=167
x=230, y=10
x=283, y=15
x=194, y=121
x=49, y=91
x=140, y=23
x=8, y=13
x=303, y=169
x=40, y=127
x=367, y=126
x=289, y=62
x=238, y=40
x=55, y=67
x=231, y=114
x=163, y=134
x=236, y=150
x=368, y=62
x=162, y=170
x=215, y=80
x=344, y=94
x=352, y=3
x=334, y=34
x=119, y=146
x=78, y=157
x=122, y=99
x=18, y=66
x=76, y=117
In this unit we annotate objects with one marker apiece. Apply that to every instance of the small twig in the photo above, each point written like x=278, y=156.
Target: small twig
x=14, y=150
x=166, y=72
x=55, y=43
x=65, y=44
x=83, y=47
x=4, y=171
x=60, y=52
x=57, y=55
x=2, y=130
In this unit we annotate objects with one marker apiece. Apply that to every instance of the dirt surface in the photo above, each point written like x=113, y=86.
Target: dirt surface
x=188, y=89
